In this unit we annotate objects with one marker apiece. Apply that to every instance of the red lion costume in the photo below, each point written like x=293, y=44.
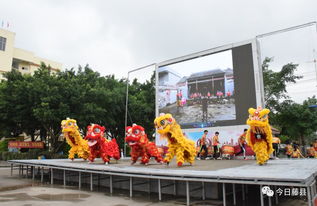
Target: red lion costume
x=141, y=146
x=99, y=146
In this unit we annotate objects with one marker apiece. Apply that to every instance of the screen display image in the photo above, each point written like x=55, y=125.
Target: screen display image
x=199, y=91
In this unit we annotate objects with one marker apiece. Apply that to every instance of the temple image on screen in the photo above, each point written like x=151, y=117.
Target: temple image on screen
x=200, y=91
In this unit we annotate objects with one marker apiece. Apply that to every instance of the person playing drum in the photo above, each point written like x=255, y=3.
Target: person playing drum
x=242, y=143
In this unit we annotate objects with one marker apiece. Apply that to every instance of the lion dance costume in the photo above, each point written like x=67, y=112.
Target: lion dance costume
x=99, y=146
x=141, y=146
x=178, y=144
x=78, y=145
x=259, y=135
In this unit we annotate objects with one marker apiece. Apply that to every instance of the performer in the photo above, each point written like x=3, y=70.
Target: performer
x=100, y=146
x=203, y=145
x=259, y=135
x=178, y=144
x=297, y=153
x=141, y=146
x=78, y=145
x=315, y=145
x=215, y=144
x=289, y=149
x=242, y=143
x=204, y=104
x=311, y=153
x=276, y=143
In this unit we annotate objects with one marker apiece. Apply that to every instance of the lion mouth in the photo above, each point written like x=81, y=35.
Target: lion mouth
x=258, y=132
x=92, y=142
x=72, y=139
x=131, y=143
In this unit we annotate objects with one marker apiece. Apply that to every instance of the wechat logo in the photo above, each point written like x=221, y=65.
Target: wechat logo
x=266, y=190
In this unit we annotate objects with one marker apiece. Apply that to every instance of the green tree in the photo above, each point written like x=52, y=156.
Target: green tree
x=37, y=104
x=141, y=105
x=298, y=121
x=275, y=83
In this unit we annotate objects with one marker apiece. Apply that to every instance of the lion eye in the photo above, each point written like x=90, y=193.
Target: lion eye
x=70, y=124
x=96, y=130
x=136, y=131
x=162, y=122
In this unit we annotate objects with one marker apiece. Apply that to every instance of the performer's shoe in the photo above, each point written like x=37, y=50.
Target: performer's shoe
x=179, y=164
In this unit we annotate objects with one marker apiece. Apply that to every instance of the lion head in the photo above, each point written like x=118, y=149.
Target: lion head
x=163, y=123
x=259, y=122
x=70, y=131
x=95, y=132
x=135, y=135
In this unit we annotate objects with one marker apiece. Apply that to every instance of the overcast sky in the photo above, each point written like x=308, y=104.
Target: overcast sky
x=221, y=60
x=114, y=37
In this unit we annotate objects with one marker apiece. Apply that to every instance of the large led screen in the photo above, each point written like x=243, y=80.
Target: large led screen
x=209, y=90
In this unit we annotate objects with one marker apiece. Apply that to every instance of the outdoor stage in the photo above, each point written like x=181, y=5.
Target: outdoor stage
x=208, y=179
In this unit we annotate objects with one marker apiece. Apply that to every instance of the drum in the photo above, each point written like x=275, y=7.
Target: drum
x=227, y=150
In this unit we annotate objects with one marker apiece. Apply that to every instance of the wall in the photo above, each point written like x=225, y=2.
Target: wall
x=6, y=56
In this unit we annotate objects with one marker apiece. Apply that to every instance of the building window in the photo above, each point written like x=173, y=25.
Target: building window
x=3, y=42
x=15, y=64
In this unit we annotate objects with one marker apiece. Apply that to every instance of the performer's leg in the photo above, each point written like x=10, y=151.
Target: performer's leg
x=170, y=154
x=206, y=151
x=201, y=148
x=215, y=151
x=242, y=147
x=180, y=156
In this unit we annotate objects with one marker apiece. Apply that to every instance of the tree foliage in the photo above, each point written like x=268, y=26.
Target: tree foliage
x=275, y=82
x=36, y=104
x=297, y=121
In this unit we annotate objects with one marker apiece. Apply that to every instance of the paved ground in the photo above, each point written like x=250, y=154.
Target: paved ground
x=16, y=191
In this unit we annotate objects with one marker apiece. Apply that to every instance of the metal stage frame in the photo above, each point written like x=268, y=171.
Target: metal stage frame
x=277, y=173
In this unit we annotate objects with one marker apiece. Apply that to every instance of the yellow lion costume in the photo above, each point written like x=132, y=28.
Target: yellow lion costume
x=78, y=145
x=178, y=145
x=259, y=135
